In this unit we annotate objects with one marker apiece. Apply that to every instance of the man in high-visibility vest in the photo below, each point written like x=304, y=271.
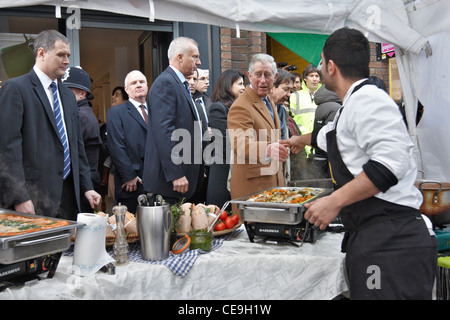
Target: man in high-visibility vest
x=302, y=102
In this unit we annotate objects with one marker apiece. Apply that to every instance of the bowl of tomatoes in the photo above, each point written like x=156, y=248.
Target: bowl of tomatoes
x=226, y=223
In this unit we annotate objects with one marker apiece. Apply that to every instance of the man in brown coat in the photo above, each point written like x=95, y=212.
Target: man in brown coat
x=254, y=130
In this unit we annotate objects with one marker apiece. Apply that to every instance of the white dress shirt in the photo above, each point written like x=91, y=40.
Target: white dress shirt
x=371, y=128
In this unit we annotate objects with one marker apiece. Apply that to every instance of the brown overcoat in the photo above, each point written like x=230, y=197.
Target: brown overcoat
x=251, y=129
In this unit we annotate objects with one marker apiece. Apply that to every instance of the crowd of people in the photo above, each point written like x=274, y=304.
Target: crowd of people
x=172, y=139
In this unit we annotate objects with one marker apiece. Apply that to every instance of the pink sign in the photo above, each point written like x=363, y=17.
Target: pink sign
x=388, y=49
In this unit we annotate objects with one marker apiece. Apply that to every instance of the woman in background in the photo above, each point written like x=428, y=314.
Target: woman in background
x=229, y=86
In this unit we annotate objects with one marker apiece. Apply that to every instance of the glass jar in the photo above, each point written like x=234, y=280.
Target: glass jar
x=200, y=239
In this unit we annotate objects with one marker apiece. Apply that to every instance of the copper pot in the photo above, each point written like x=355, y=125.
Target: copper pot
x=436, y=201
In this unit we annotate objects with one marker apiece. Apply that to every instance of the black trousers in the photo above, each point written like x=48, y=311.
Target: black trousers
x=68, y=208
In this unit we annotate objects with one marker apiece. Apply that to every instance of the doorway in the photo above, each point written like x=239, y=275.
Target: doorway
x=109, y=54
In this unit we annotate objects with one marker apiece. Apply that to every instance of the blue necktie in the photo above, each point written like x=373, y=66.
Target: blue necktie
x=269, y=106
x=61, y=130
x=186, y=84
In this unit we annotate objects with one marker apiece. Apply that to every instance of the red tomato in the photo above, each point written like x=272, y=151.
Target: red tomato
x=223, y=216
x=229, y=223
x=235, y=218
x=220, y=226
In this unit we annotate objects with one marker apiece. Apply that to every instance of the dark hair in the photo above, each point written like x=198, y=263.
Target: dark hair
x=349, y=49
x=309, y=69
x=378, y=82
x=283, y=76
x=222, y=89
x=47, y=39
x=121, y=89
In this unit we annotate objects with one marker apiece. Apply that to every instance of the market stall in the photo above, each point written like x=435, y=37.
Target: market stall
x=234, y=269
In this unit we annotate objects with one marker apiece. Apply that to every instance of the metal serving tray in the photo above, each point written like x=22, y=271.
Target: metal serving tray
x=278, y=213
x=35, y=244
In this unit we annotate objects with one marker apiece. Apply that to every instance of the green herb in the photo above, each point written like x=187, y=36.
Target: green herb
x=175, y=210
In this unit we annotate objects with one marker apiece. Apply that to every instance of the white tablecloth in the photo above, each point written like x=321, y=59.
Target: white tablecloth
x=238, y=269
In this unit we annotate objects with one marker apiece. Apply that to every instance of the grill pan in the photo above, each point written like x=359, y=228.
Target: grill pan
x=35, y=244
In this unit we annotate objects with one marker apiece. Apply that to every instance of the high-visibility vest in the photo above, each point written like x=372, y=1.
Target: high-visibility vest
x=303, y=109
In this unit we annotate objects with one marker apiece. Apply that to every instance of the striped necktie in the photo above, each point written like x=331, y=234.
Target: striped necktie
x=61, y=130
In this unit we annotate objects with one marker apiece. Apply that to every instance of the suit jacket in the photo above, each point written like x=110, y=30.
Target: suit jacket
x=127, y=137
x=206, y=100
x=31, y=161
x=217, y=192
x=172, y=112
x=250, y=172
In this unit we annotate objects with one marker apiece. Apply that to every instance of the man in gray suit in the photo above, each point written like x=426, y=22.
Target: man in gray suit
x=43, y=165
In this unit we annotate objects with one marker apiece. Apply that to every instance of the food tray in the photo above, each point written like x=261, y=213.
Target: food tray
x=35, y=244
x=278, y=213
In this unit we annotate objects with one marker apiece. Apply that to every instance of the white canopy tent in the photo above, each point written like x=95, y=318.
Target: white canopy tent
x=416, y=28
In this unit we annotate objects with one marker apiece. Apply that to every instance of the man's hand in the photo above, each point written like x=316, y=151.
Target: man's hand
x=93, y=197
x=181, y=185
x=25, y=207
x=322, y=211
x=131, y=185
x=297, y=143
x=277, y=151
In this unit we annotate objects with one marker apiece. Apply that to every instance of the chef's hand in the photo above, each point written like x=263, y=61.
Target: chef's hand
x=181, y=185
x=93, y=197
x=322, y=211
x=25, y=207
x=277, y=151
x=131, y=185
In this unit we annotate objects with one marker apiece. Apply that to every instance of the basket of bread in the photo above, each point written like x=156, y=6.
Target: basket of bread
x=130, y=227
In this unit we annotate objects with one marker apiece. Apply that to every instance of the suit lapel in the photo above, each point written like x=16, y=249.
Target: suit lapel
x=261, y=107
x=136, y=115
x=184, y=91
x=39, y=90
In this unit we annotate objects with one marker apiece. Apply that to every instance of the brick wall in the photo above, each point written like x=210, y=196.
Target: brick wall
x=236, y=52
x=380, y=68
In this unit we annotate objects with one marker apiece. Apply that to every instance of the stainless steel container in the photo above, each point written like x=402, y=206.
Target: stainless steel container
x=278, y=213
x=35, y=244
x=154, y=226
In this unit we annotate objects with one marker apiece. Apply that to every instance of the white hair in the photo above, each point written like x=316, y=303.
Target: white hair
x=131, y=72
x=179, y=45
x=263, y=58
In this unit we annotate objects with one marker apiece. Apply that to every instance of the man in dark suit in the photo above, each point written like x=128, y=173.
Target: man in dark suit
x=127, y=136
x=173, y=159
x=43, y=164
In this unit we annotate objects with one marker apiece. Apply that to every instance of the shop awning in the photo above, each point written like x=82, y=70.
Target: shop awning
x=306, y=45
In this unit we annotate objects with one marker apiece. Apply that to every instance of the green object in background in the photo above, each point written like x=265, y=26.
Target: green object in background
x=306, y=45
x=18, y=59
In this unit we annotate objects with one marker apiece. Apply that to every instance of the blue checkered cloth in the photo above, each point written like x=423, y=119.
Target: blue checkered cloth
x=180, y=264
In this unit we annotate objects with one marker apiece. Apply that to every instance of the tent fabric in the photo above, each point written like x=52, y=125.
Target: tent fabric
x=306, y=45
x=410, y=25
x=381, y=19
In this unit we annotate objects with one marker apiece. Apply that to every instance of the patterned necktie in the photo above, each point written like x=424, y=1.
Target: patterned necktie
x=144, y=114
x=61, y=130
x=269, y=106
